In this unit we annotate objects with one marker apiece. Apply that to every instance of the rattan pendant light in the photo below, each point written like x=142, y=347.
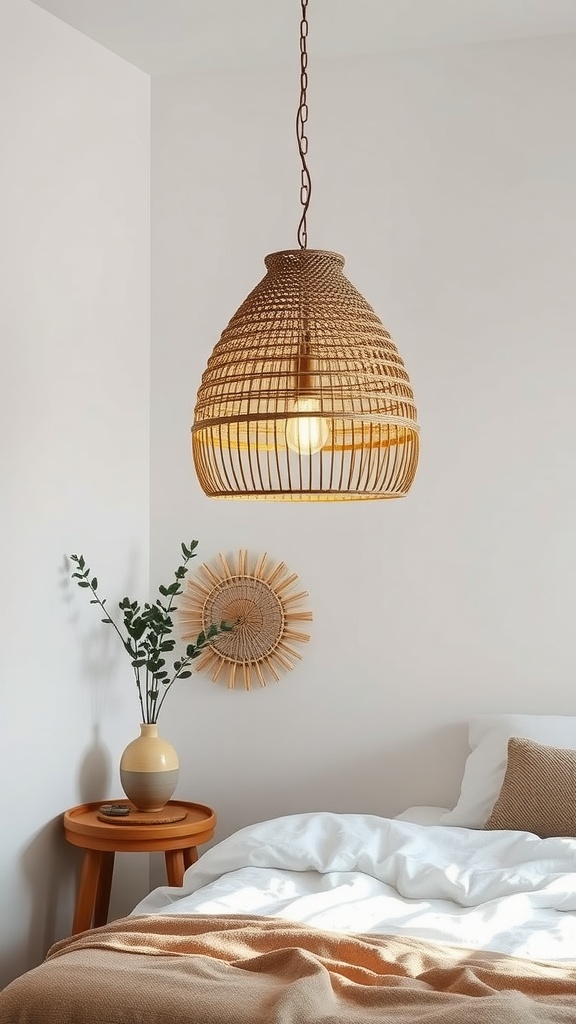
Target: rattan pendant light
x=305, y=396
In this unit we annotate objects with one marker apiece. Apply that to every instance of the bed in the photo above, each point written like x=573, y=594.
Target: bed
x=348, y=917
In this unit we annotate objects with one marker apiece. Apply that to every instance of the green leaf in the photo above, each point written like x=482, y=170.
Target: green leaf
x=145, y=631
x=137, y=627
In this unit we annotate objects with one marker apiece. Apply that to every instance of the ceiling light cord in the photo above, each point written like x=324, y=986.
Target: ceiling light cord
x=302, y=139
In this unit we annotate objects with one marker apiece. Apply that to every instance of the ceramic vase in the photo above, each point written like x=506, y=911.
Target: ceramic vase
x=149, y=770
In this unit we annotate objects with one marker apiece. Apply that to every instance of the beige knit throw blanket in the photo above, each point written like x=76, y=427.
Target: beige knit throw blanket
x=258, y=970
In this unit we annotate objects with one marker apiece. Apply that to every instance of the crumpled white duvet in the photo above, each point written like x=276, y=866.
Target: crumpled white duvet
x=506, y=891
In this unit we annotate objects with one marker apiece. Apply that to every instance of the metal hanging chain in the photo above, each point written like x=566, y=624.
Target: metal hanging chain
x=301, y=119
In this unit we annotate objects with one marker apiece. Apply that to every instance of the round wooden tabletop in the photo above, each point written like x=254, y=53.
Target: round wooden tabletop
x=83, y=827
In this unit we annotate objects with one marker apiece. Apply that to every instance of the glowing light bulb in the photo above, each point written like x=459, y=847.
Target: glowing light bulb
x=306, y=435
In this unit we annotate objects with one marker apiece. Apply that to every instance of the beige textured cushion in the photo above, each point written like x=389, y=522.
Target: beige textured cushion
x=538, y=793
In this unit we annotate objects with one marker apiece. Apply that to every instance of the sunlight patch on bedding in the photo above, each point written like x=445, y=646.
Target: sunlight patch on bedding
x=357, y=903
x=509, y=892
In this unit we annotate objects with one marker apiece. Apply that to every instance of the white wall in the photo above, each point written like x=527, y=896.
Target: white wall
x=74, y=444
x=446, y=177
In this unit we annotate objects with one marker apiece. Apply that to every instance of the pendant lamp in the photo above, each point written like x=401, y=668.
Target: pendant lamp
x=305, y=396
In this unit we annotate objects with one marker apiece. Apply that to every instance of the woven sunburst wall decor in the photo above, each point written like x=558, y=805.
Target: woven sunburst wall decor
x=261, y=600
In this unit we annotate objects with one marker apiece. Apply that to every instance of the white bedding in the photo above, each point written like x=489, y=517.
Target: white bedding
x=505, y=891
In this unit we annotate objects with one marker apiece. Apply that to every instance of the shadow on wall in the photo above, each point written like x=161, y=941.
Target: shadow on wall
x=422, y=769
x=99, y=655
x=95, y=770
x=425, y=768
x=49, y=866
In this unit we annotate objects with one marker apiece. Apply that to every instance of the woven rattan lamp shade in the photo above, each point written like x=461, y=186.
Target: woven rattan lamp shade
x=306, y=347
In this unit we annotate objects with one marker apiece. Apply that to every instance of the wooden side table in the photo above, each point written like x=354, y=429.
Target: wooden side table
x=101, y=840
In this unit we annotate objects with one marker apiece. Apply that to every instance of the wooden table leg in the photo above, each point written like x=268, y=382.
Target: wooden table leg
x=86, y=896
x=102, y=901
x=190, y=856
x=174, y=866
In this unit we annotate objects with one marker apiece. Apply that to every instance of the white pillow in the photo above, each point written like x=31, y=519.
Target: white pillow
x=485, y=768
x=422, y=815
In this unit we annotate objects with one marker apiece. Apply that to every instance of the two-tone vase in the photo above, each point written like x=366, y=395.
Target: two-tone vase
x=149, y=770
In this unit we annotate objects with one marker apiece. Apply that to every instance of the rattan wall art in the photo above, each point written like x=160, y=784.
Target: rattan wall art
x=261, y=599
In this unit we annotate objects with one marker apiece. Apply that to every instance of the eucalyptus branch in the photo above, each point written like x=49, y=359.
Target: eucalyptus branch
x=148, y=634
x=194, y=651
x=84, y=581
